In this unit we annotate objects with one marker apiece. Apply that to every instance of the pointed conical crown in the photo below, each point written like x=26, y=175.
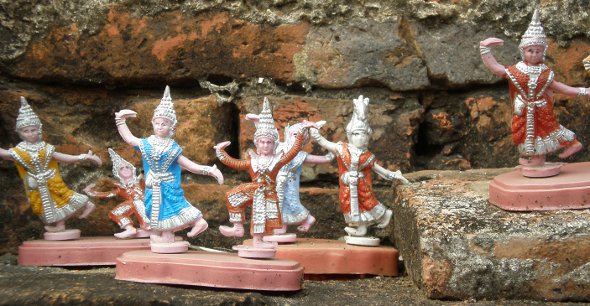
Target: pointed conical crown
x=118, y=161
x=166, y=109
x=534, y=35
x=26, y=116
x=266, y=124
x=359, y=119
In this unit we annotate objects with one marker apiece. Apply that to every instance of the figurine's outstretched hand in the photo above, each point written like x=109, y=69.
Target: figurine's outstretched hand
x=93, y=157
x=222, y=145
x=125, y=113
x=88, y=189
x=491, y=41
x=214, y=172
x=397, y=175
x=253, y=117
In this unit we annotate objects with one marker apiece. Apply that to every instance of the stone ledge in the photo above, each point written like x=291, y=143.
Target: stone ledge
x=458, y=246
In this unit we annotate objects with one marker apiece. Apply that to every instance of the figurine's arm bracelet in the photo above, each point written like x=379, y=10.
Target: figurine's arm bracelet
x=582, y=91
x=82, y=157
x=230, y=161
x=120, y=121
x=483, y=50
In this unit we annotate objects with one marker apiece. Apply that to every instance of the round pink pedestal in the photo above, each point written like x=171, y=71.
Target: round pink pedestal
x=69, y=234
x=218, y=270
x=169, y=247
x=248, y=251
x=568, y=190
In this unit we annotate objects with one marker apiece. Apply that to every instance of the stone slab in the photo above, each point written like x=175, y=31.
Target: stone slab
x=568, y=190
x=456, y=245
x=217, y=270
x=86, y=251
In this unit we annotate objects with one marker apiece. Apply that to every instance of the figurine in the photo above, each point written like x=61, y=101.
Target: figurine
x=355, y=162
x=535, y=128
x=36, y=162
x=165, y=205
x=130, y=187
x=263, y=167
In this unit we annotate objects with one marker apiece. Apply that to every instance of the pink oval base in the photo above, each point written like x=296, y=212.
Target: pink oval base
x=248, y=251
x=546, y=170
x=169, y=247
x=281, y=238
x=69, y=234
x=218, y=270
x=568, y=190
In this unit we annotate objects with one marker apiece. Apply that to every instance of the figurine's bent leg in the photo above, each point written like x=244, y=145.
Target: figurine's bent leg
x=384, y=221
x=59, y=226
x=571, y=150
x=307, y=223
x=199, y=226
x=129, y=232
x=259, y=243
x=281, y=230
x=87, y=210
x=361, y=230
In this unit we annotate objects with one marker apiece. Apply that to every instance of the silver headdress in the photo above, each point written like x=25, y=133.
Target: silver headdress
x=26, y=116
x=118, y=161
x=534, y=35
x=291, y=130
x=265, y=127
x=359, y=116
x=166, y=109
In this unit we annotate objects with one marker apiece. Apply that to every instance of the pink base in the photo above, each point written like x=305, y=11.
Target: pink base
x=248, y=251
x=568, y=190
x=281, y=238
x=169, y=247
x=69, y=234
x=86, y=251
x=218, y=270
x=546, y=170
x=322, y=256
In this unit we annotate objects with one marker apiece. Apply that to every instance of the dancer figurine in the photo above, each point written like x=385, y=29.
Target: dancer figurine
x=130, y=187
x=263, y=167
x=36, y=162
x=535, y=128
x=165, y=205
x=355, y=162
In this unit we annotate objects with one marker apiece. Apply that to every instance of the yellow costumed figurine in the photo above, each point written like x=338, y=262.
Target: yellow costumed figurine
x=37, y=166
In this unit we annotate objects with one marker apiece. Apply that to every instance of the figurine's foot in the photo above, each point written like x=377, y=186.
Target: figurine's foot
x=309, y=221
x=142, y=233
x=235, y=231
x=258, y=242
x=280, y=231
x=385, y=219
x=571, y=150
x=361, y=230
x=129, y=232
x=58, y=227
x=163, y=237
x=87, y=210
x=199, y=227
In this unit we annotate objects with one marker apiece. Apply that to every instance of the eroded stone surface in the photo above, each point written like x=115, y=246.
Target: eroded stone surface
x=457, y=245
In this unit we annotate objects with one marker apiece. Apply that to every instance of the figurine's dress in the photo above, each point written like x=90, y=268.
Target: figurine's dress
x=357, y=198
x=288, y=179
x=165, y=204
x=261, y=193
x=132, y=192
x=48, y=195
x=535, y=128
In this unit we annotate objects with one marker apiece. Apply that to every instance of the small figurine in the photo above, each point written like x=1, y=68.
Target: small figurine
x=355, y=162
x=130, y=187
x=165, y=205
x=535, y=128
x=36, y=162
x=263, y=167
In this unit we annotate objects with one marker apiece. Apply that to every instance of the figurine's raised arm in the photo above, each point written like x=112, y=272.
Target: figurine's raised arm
x=315, y=134
x=227, y=160
x=5, y=154
x=122, y=127
x=195, y=168
x=390, y=175
x=488, y=58
x=67, y=158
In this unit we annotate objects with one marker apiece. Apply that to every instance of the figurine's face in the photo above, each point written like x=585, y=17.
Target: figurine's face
x=533, y=55
x=265, y=146
x=29, y=133
x=162, y=127
x=359, y=139
x=125, y=172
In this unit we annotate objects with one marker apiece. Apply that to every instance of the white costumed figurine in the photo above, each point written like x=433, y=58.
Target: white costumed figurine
x=166, y=207
x=355, y=162
x=36, y=161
